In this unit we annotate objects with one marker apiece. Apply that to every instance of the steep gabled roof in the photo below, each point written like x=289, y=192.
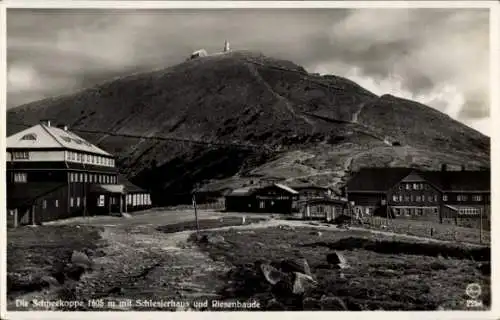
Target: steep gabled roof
x=377, y=179
x=43, y=136
x=459, y=180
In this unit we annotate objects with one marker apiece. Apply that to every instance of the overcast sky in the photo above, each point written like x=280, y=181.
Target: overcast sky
x=439, y=57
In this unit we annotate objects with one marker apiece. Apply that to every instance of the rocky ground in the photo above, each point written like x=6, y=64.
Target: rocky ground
x=143, y=263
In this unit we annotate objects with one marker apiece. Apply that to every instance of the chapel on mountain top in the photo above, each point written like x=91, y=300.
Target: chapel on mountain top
x=53, y=173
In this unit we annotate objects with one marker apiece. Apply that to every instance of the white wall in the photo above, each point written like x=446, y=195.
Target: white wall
x=36, y=156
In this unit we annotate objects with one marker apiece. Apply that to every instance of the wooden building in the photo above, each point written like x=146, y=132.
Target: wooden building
x=52, y=173
x=417, y=194
x=275, y=198
x=322, y=209
x=307, y=191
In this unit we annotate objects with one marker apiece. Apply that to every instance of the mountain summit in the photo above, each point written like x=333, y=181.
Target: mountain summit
x=264, y=117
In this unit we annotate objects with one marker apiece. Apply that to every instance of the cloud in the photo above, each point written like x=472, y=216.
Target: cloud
x=436, y=57
x=439, y=57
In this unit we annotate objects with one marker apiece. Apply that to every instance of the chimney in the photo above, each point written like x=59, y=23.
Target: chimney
x=444, y=167
x=45, y=122
x=462, y=167
x=64, y=127
x=226, y=46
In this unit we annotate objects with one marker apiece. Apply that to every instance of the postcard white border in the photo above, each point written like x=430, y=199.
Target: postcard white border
x=495, y=131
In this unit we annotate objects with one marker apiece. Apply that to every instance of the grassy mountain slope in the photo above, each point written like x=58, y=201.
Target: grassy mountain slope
x=297, y=126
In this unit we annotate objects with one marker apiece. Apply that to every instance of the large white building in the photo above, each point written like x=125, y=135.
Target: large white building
x=53, y=173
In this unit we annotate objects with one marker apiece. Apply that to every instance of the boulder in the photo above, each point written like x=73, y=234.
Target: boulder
x=302, y=283
x=337, y=260
x=298, y=265
x=271, y=274
x=79, y=258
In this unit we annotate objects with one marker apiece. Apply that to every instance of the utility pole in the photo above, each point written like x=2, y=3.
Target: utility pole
x=196, y=211
x=481, y=225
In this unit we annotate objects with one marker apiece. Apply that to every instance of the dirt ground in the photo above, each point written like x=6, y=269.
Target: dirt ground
x=142, y=265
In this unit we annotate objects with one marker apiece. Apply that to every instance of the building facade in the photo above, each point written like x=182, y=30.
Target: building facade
x=307, y=192
x=52, y=173
x=275, y=198
x=322, y=209
x=430, y=195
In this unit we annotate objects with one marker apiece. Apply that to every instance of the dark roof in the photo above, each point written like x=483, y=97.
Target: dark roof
x=377, y=179
x=129, y=186
x=382, y=179
x=459, y=180
x=26, y=193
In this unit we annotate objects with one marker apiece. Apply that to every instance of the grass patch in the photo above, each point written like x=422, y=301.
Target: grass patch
x=429, y=229
x=208, y=224
x=395, y=278
x=33, y=253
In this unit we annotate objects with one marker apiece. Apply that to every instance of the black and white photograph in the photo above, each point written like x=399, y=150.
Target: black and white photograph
x=258, y=158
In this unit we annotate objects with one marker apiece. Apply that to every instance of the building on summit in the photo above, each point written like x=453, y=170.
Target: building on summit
x=53, y=173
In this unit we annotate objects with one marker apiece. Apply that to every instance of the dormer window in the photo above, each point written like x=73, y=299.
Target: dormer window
x=29, y=136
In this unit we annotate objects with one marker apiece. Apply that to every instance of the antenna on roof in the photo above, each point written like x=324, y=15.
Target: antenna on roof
x=45, y=122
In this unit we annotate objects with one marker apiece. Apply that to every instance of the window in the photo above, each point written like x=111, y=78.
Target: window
x=100, y=201
x=408, y=186
x=461, y=197
x=81, y=177
x=435, y=198
x=407, y=198
x=395, y=198
x=44, y=204
x=419, y=198
x=477, y=198
x=77, y=201
x=415, y=186
x=426, y=186
x=85, y=177
x=21, y=155
x=436, y=211
x=419, y=211
x=400, y=187
x=56, y=203
x=429, y=198
x=71, y=202
x=21, y=177
x=129, y=198
x=445, y=198
x=29, y=136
